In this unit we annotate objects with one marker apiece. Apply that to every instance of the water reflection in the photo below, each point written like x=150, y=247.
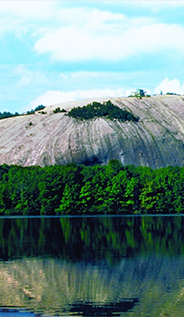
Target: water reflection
x=101, y=309
x=91, y=239
x=93, y=266
x=6, y=312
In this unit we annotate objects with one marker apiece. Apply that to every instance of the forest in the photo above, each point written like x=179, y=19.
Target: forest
x=106, y=109
x=77, y=189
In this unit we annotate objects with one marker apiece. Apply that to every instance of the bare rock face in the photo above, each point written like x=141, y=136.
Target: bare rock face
x=156, y=140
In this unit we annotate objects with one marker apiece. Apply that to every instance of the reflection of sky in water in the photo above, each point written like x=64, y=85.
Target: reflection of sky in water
x=82, y=309
x=93, y=267
x=15, y=313
x=55, y=287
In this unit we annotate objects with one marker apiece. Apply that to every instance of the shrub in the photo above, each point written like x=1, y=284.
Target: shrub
x=58, y=110
x=106, y=109
x=30, y=112
x=40, y=107
x=8, y=115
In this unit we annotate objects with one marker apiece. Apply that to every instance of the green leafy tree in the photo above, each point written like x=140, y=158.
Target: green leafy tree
x=121, y=193
x=69, y=201
x=73, y=180
x=51, y=186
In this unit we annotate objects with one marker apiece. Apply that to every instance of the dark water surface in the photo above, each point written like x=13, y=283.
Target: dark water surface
x=92, y=266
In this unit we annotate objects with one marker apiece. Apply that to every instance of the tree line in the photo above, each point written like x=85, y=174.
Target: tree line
x=90, y=111
x=98, y=189
x=7, y=114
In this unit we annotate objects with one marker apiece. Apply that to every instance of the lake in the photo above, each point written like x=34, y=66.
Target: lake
x=92, y=266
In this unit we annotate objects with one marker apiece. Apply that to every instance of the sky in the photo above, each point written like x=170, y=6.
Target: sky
x=57, y=51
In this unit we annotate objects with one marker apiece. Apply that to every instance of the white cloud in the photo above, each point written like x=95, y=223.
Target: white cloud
x=170, y=85
x=80, y=33
x=21, y=17
x=42, y=16
x=55, y=97
x=27, y=9
x=81, y=43
x=83, y=32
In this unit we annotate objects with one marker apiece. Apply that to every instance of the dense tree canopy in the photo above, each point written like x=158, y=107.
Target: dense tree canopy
x=106, y=109
x=80, y=189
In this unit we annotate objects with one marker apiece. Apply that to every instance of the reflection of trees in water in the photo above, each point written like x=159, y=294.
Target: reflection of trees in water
x=86, y=309
x=111, y=309
x=91, y=239
x=61, y=262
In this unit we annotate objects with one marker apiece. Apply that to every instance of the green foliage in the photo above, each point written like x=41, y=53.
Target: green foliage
x=40, y=107
x=8, y=115
x=30, y=112
x=107, y=109
x=172, y=94
x=80, y=189
x=59, y=110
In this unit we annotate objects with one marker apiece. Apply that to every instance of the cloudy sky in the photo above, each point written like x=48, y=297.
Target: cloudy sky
x=54, y=51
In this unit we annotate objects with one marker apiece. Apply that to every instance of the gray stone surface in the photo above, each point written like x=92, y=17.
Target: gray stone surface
x=157, y=140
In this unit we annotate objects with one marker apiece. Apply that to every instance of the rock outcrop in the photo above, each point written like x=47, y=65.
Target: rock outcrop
x=156, y=140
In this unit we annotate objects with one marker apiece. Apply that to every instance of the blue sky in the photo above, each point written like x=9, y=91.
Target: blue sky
x=57, y=51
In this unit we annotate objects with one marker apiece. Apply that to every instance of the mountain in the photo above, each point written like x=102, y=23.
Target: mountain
x=48, y=138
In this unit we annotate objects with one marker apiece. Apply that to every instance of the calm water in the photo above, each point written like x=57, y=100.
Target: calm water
x=100, y=266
